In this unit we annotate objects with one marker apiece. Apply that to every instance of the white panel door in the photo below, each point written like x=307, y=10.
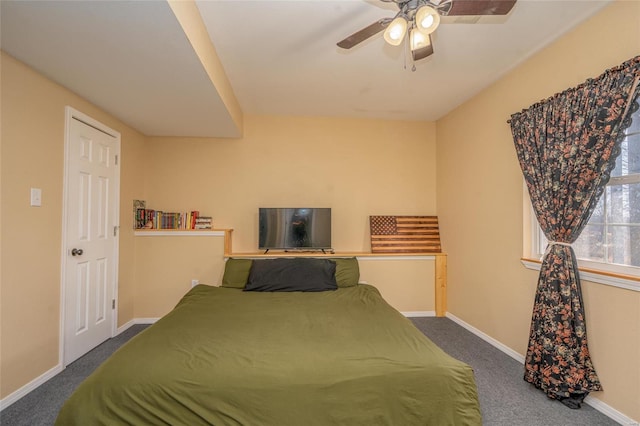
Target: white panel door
x=91, y=245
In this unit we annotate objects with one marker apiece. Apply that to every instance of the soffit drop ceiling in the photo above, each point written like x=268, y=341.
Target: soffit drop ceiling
x=130, y=58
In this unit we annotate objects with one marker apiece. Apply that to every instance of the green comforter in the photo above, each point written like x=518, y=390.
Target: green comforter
x=228, y=357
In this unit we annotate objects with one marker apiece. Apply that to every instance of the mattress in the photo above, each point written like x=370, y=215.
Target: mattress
x=224, y=356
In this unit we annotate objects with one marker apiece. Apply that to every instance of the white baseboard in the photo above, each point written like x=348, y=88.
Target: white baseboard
x=594, y=402
x=146, y=320
x=410, y=314
x=609, y=411
x=507, y=350
x=13, y=397
x=124, y=327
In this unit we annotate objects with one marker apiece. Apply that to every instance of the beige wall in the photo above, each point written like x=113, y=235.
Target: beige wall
x=33, y=117
x=356, y=167
x=480, y=205
x=406, y=284
x=165, y=266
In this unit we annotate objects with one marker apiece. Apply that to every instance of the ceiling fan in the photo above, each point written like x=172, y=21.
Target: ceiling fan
x=420, y=18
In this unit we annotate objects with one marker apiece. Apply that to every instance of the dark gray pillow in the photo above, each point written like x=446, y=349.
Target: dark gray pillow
x=298, y=274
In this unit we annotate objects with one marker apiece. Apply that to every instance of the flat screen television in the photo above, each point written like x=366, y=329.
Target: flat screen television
x=294, y=228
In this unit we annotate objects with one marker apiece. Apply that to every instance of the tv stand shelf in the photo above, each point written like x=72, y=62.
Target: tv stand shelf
x=293, y=253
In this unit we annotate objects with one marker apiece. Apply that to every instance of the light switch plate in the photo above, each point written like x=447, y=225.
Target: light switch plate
x=36, y=197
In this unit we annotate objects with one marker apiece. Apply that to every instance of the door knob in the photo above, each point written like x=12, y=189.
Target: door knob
x=76, y=252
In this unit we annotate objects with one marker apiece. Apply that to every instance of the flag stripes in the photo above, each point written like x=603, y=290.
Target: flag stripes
x=404, y=234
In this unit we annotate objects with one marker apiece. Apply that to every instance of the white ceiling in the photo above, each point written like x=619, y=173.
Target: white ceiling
x=133, y=59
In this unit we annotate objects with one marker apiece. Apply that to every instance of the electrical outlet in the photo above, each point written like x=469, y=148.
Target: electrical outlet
x=195, y=283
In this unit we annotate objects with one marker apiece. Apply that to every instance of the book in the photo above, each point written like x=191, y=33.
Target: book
x=144, y=218
x=139, y=207
x=203, y=222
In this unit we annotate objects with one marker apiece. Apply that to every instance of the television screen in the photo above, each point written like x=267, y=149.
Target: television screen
x=294, y=228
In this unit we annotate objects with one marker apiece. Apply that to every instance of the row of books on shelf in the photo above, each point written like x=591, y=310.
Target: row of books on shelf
x=156, y=219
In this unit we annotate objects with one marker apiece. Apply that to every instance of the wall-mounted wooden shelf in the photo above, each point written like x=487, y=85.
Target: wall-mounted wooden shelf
x=179, y=232
x=226, y=233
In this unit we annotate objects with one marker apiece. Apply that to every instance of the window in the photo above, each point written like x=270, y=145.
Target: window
x=611, y=239
x=613, y=232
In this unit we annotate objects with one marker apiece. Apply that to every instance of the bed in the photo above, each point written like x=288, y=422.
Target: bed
x=234, y=356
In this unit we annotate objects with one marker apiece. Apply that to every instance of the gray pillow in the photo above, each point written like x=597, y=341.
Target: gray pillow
x=297, y=274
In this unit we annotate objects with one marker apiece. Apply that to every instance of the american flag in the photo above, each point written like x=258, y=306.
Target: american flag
x=405, y=234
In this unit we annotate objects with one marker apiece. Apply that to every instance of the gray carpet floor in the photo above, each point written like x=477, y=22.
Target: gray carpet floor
x=40, y=407
x=505, y=398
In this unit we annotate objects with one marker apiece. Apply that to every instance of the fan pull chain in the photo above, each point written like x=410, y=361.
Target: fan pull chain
x=413, y=61
x=407, y=48
x=404, y=54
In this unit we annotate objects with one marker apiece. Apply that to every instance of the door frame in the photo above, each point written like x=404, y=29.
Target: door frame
x=71, y=114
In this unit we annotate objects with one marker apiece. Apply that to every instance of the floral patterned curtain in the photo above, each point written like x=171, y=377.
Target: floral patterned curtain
x=567, y=146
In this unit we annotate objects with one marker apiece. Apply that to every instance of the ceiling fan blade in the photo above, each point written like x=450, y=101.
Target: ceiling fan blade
x=423, y=52
x=365, y=33
x=480, y=7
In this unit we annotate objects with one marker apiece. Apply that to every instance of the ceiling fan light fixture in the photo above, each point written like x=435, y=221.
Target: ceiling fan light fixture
x=395, y=32
x=418, y=39
x=427, y=19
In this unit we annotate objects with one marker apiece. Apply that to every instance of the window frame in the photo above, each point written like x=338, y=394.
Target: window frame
x=534, y=241
x=607, y=223
x=623, y=276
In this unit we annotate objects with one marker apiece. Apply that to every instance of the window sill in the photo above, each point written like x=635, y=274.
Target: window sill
x=628, y=282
